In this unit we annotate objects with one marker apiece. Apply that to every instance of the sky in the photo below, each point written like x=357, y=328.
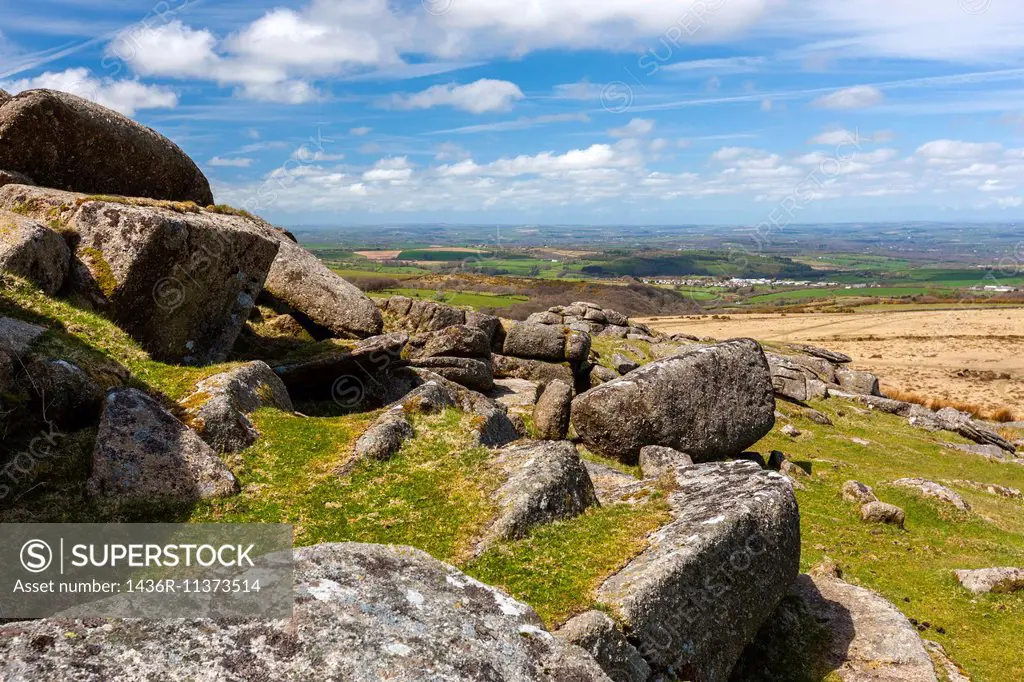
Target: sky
x=560, y=111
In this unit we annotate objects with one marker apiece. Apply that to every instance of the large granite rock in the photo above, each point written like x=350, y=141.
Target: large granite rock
x=305, y=285
x=414, y=315
x=551, y=413
x=17, y=336
x=788, y=378
x=710, y=403
x=385, y=437
x=536, y=341
x=69, y=143
x=546, y=482
x=473, y=373
x=181, y=282
x=62, y=393
x=656, y=461
x=935, y=491
x=143, y=453
x=697, y=596
x=34, y=252
x=363, y=613
x=459, y=353
x=864, y=383
x=218, y=409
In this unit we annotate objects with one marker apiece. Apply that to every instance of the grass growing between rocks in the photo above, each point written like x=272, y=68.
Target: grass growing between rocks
x=913, y=568
x=96, y=344
x=559, y=565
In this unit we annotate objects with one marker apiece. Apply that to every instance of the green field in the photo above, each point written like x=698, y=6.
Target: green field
x=875, y=292
x=457, y=298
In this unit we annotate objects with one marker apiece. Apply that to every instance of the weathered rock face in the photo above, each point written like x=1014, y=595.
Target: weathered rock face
x=142, y=452
x=181, y=283
x=217, y=409
x=546, y=482
x=414, y=316
x=363, y=613
x=863, y=383
x=934, y=491
x=307, y=286
x=597, y=634
x=472, y=373
x=536, y=341
x=694, y=599
x=656, y=461
x=66, y=142
x=12, y=178
x=624, y=364
x=787, y=378
x=551, y=414
x=823, y=353
x=710, y=403
x=514, y=393
x=881, y=512
x=506, y=367
x=34, y=252
x=459, y=341
x=1000, y=580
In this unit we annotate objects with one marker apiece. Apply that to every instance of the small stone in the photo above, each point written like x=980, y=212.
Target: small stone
x=855, y=491
x=999, y=580
x=791, y=431
x=881, y=512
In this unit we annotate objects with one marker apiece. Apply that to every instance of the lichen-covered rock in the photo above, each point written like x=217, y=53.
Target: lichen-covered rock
x=711, y=403
x=385, y=437
x=490, y=325
x=182, y=283
x=219, y=406
x=655, y=460
x=864, y=383
x=506, y=367
x=66, y=142
x=143, y=453
x=602, y=375
x=709, y=579
x=831, y=356
x=882, y=512
x=363, y=613
x=546, y=482
x=855, y=491
x=999, y=580
x=34, y=252
x=551, y=413
x=935, y=491
x=597, y=634
x=62, y=393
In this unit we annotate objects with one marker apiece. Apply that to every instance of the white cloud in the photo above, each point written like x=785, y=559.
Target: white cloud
x=767, y=104
x=287, y=92
x=857, y=97
x=239, y=162
x=482, y=96
x=834, y=137
x=521, y=123
x=956, y=150
x=727, y=154
x=361, y=131
x=392, y=170
x=637, y=127
x=720, y=66
x=125, y=96
x=171, y=49
x=583, y=90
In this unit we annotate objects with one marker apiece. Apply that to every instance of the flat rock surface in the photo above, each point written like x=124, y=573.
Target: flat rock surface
x=711, y=577
x=33, y=251
x=363, y=613
x=935, y=491
x=992, y=580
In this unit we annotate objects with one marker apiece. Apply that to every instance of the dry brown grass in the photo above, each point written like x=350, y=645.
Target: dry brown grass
x=1001, y=414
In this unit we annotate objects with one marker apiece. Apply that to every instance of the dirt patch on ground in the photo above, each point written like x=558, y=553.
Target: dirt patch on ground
x=968, y=355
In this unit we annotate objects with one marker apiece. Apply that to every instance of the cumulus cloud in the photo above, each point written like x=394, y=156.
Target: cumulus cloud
x=834, y=137
x=857, y=97
x=125, y=96
x=637, y=127
x=957, y=150
x=391, y=170
x=485, y=95
x=171, y=49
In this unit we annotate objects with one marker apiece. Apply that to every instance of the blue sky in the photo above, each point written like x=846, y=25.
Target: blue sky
x=575, y=111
